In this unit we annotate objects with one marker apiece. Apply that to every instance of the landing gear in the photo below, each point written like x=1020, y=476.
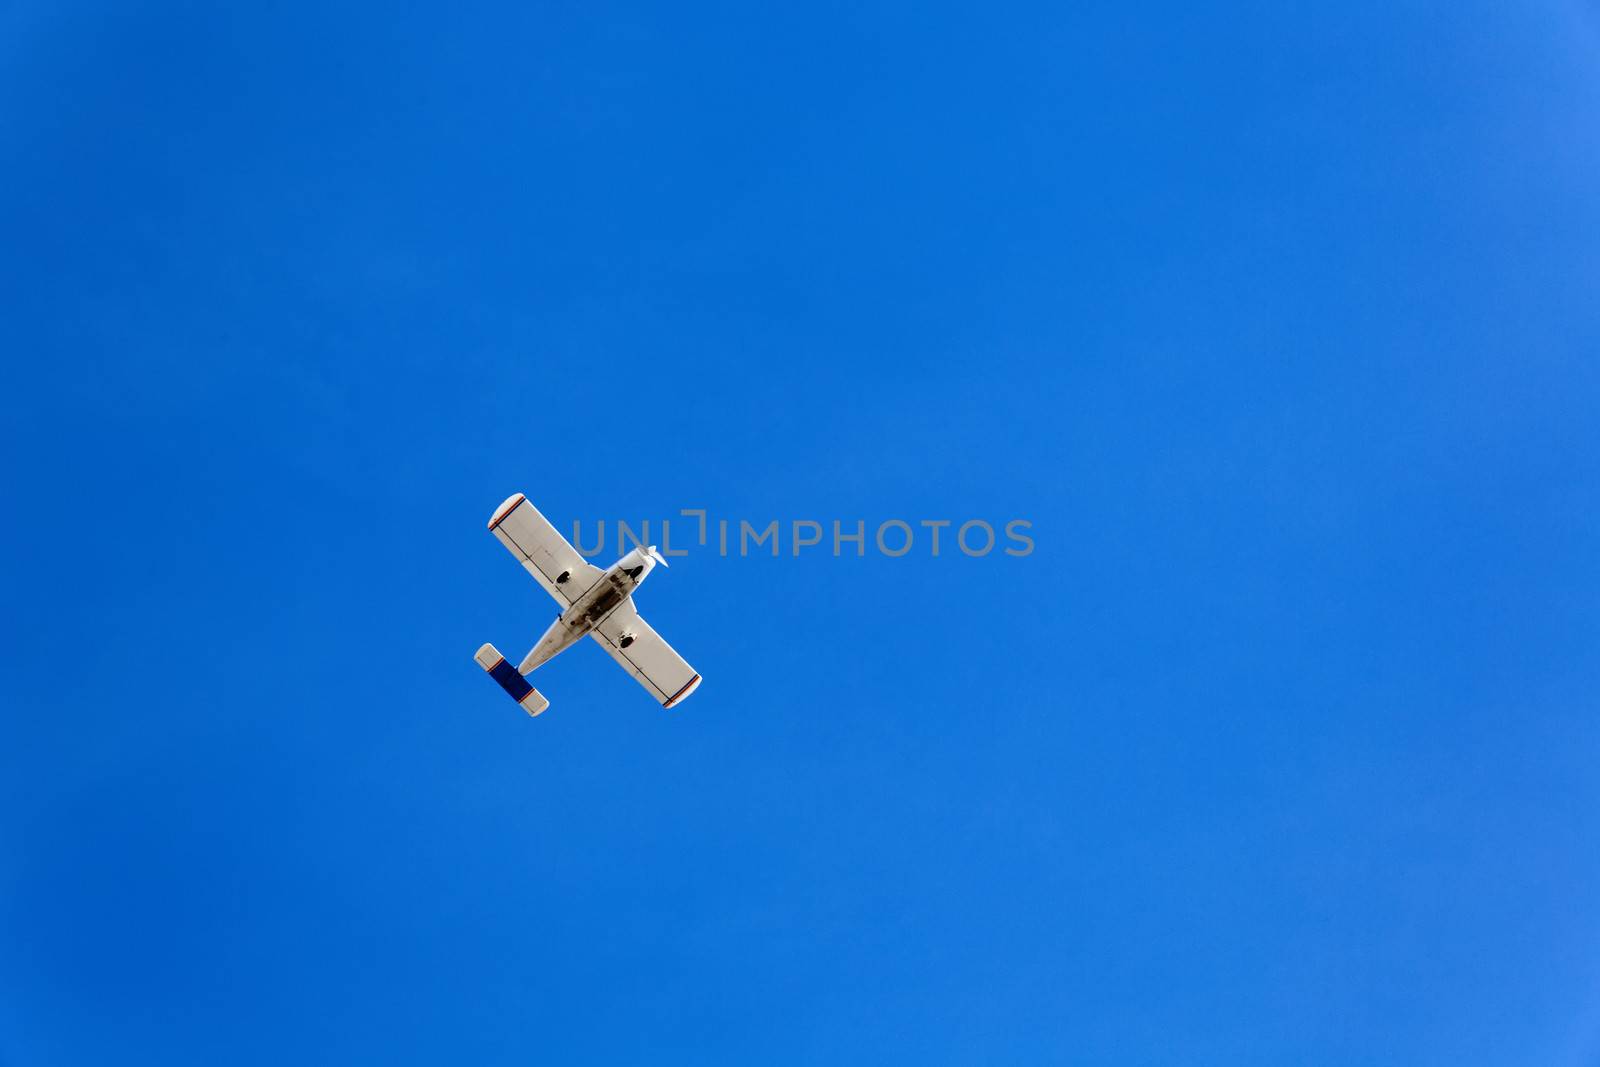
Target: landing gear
x=627, y=639
x=561, y=579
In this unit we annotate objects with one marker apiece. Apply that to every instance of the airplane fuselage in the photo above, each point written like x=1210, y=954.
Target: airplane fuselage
x=608, y=593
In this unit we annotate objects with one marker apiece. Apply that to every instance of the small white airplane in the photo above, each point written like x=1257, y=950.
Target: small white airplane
x=593, y=601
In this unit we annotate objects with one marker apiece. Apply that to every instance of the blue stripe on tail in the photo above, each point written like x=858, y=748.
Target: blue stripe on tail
x=512, y=682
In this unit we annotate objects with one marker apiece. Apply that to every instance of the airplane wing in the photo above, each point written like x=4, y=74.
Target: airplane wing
x=648, y=658
x=541, y=550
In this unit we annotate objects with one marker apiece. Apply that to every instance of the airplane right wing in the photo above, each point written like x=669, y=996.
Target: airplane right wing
x=542, y=551
x=648, y=658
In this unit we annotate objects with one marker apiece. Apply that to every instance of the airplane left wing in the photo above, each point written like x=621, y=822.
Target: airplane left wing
x=648, y=658
x=541, y=550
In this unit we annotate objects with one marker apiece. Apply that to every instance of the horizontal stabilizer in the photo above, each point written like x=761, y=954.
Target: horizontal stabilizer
x=515, y=685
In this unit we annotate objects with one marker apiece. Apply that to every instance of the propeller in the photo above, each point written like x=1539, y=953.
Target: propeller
x=657, y=556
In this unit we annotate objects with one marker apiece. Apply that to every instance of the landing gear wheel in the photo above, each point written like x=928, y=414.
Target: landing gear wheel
x=627, y=639
x=561, y=579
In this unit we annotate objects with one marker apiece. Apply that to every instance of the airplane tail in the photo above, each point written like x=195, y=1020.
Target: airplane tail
x=515, y=685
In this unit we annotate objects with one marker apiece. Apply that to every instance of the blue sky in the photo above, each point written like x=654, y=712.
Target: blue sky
x=1278, y=324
